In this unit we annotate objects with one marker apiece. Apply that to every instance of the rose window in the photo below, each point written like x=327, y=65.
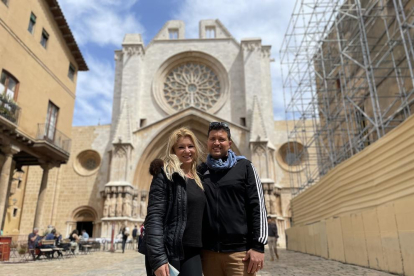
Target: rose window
x=191, y=84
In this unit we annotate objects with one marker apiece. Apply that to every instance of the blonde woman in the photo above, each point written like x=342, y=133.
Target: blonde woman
x=175, y=209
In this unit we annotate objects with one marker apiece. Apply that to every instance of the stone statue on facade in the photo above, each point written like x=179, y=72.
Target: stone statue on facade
x=267, y=202
x=135, y=208
x=273, y=203
x=118, y=210
x=126, y=209
x=106, y=207
x=112, y=206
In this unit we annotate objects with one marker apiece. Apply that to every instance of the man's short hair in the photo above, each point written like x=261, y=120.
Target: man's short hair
x=219, y=126
x=35, y=229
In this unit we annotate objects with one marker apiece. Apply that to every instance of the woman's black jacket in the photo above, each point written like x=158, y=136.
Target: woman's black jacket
x=166, y=218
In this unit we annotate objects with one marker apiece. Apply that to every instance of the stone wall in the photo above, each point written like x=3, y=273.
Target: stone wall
x=362, y=212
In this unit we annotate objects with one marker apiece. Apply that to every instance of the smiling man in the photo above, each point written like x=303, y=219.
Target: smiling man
x=235, y=225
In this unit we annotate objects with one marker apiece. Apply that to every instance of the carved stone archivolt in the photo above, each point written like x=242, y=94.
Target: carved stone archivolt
x=251, y=46
x=266, y=51
x=124, y=201
x=133, y=50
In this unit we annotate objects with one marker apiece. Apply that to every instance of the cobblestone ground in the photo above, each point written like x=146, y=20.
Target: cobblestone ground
x=132, y=263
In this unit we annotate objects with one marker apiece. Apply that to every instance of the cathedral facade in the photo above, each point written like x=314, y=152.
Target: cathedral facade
x=169, y=83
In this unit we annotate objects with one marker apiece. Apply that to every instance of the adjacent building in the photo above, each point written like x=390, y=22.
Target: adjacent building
x=351, y=76
x=39, y=64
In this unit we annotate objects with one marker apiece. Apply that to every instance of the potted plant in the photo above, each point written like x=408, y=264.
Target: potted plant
x=23, y=249
x=8, y=106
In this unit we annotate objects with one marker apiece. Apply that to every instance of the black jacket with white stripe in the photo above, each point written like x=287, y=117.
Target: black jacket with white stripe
x=235, y=216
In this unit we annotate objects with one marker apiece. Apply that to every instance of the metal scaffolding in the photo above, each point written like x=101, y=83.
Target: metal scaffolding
x=347, y=69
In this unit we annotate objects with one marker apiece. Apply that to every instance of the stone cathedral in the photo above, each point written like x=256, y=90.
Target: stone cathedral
x=171, y=82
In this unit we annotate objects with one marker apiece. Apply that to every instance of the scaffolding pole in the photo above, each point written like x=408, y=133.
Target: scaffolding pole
x=347, y=71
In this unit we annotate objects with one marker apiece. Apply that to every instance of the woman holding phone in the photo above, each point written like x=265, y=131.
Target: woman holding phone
x=175, y=209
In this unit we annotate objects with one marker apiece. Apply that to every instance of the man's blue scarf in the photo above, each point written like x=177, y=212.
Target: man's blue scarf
x=219, y=164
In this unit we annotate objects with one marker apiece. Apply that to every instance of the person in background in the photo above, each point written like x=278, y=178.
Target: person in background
x=135, y=235
x=272, y=240
x=58, y=237
x=32, y=240
x=125, y=234
x=74, y=240
x=85, y=236
x=51, y=235
x=49, y=229
x=141, y=235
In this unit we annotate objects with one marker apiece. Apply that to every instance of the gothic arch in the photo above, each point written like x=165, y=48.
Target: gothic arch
x=156, y=149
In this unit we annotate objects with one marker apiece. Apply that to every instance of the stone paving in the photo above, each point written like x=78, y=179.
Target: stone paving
x=132, y=263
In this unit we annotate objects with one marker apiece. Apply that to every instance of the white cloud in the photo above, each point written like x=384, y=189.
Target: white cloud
x=267, y=19
x=99, y=27
x=94, y=93
x=102, y=22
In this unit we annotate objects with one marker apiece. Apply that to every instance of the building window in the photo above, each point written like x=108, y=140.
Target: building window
x=173, y=33
x=8, y=85
x=210, y=32
x=142, y=122
x=243, y=121
x=44, y=39
x=6, y=2
x=15, y=210
x=72, y=71
x=32, y=23
x=51, y=121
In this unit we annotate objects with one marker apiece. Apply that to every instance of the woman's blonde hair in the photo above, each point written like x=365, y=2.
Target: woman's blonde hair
x=171, y=162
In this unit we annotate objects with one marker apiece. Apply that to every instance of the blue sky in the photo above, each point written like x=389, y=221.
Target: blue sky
x=100, y=25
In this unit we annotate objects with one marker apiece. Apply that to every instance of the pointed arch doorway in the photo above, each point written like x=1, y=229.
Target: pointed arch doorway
x=157, y=148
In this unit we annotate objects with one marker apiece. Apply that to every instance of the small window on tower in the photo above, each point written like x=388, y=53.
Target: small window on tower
x=173, y=33
x=15, y=210
x=243, y=121
x=142, y=122
x=211, y=32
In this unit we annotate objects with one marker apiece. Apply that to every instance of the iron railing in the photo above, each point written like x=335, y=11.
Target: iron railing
x=49, y=133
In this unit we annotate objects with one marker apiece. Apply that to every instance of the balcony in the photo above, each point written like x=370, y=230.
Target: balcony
x=50, y=134
x=9, y=110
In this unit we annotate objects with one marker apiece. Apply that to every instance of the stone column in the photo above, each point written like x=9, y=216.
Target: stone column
x=5, y=180
x=42, y=193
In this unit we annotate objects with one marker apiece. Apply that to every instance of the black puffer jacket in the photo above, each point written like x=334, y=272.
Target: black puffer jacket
x=166, y=217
